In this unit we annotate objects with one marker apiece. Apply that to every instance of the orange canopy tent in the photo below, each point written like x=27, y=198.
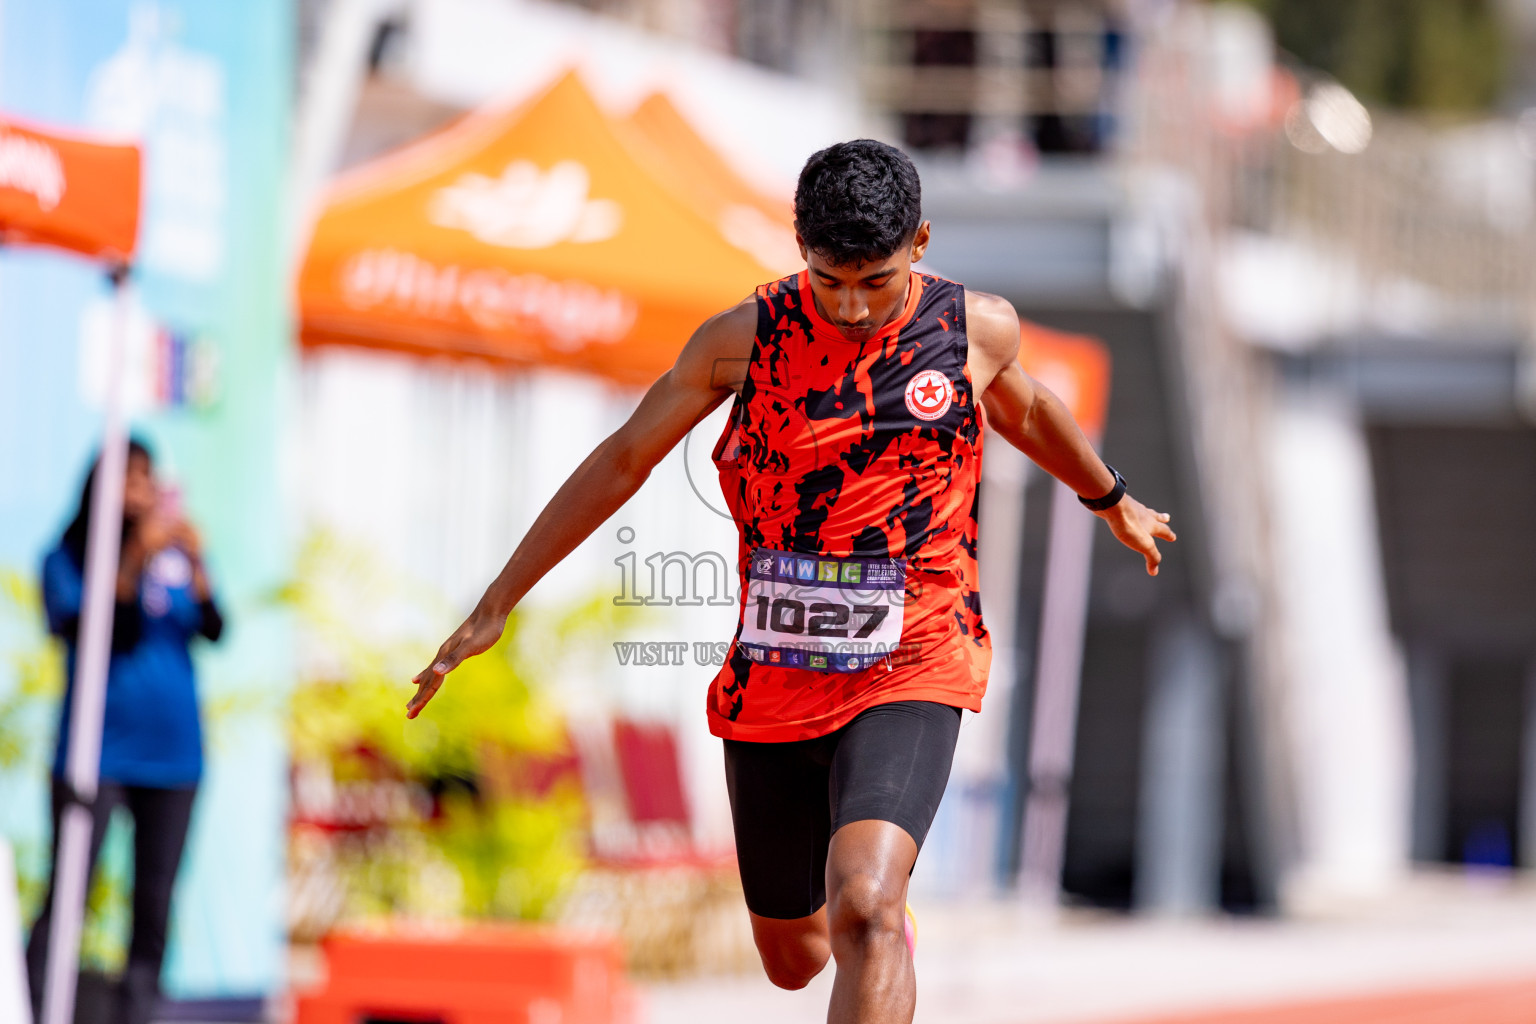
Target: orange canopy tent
x=535, y=235
x=1076, y=369
x=762, y=225
x=70, y=193
x=67, y=192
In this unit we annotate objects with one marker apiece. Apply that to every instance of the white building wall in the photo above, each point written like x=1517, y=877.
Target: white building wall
x=1347, y=690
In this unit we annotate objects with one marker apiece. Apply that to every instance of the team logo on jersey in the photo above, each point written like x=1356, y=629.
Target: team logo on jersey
x=929, y=394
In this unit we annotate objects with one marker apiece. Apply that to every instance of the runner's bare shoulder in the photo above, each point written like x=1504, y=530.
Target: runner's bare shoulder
x=992, y=331
x=721, y=348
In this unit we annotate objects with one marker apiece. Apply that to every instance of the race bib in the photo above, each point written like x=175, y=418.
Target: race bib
x=823, y=614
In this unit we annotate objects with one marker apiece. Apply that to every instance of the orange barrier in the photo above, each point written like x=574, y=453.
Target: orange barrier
x=480, y=974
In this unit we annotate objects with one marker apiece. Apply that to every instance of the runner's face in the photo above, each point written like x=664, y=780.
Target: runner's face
x=860, y=299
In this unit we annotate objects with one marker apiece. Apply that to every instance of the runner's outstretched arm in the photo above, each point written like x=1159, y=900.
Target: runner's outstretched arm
x=682, y=396
x=1037, y=423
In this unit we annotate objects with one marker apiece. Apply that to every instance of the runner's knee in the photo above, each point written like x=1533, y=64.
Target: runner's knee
x=791, y=956
x=793, y=970
x=862, y=908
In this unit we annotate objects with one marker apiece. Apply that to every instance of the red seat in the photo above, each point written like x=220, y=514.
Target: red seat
x=648, y=757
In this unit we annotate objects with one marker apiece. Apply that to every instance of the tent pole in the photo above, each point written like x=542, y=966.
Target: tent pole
x=980, y=773
x=83, y=763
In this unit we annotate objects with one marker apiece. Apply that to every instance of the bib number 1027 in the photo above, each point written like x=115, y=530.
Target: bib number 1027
x=819, y=618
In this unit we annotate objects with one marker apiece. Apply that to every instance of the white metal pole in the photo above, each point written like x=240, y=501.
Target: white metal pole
x=14, y=1005
x=326, y=107
x=1053, y=730
x=1179, y=819
x=1004, y=475
x=83, y=764
x=979, y=776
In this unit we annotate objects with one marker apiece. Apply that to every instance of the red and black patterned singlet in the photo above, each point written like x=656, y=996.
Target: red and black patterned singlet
x=853, y=464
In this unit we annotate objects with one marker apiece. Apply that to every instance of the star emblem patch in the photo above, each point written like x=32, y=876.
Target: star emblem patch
x=929, y=394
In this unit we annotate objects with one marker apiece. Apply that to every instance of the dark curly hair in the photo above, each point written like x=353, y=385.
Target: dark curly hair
x=858, y=202
x=79, y=527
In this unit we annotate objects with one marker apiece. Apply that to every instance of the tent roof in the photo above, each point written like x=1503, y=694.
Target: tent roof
x=659, y=122
x=535, y=234
x=759, y=224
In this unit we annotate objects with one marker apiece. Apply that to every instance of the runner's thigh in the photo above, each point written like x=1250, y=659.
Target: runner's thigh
x=783, y=822
x=892, y=763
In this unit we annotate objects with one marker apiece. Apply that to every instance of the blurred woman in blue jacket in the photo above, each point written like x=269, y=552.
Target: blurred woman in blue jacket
x=152, y=745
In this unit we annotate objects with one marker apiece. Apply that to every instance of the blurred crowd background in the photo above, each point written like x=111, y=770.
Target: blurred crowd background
x=403, y=263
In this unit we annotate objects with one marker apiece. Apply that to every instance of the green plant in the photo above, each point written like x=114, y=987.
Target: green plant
x=492, y=849
x=37, y=674
x=27, y=728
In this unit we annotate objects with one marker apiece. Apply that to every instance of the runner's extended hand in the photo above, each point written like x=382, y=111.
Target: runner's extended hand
x=478, y=634
x=1139, y=528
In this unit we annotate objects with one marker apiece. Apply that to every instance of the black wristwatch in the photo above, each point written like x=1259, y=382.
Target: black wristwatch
x=1109, y=500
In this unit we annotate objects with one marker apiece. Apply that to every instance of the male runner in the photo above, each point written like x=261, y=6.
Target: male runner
x=850, y=464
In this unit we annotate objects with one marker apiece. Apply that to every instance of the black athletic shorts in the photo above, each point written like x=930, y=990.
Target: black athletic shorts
x=890, y=763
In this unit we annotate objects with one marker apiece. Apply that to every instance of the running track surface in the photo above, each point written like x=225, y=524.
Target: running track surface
x=1500, y=1003
x=1440, y=951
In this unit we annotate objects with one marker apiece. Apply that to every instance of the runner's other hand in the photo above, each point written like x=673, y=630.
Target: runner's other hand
x=1139, y=528
x=478, y=634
